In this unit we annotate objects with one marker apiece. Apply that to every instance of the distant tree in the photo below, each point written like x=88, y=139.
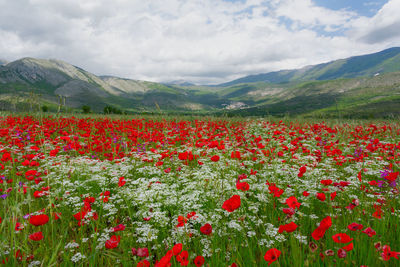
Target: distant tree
x=108, y=109
x=86, y=109
x=111, y=110
x=45, y=108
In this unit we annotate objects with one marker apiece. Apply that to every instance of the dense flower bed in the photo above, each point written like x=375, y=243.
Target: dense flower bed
x=203, y=192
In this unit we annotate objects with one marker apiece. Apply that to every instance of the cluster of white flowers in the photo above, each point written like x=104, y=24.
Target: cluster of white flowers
x=77, y=257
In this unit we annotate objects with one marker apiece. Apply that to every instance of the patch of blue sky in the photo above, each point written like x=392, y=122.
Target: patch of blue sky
x=364, y=8
x=320, y=30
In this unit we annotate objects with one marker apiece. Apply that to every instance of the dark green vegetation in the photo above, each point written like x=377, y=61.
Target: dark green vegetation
x=364, y=86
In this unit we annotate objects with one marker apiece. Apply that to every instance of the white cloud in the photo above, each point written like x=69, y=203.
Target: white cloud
x=199, y=40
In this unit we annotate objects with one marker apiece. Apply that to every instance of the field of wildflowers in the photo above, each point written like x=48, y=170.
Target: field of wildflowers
x=207, y=192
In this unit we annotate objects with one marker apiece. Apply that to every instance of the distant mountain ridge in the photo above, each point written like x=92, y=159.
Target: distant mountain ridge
x=366, y=65
x=328, y=89
x=52, y=79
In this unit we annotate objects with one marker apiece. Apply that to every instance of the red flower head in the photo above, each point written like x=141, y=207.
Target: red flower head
x=273, y=189
x=143, y=252
x=302, y=170
x=113, y=242
x=215, y=158
x=36, y=236
x=369, y=231
x=242, y=186
x=38, y=220
x=342, y=238
x=355, y=226
x=183, y=258
x=143, y=263
x=206, y=229
x=121, y=181
x=326, y=182
x=321, y=196
x=319, y=232
x=199, y=261
x=119, y=227
x=232, y=203
x=272, y=255
x=177, y=248
x=387, y=253
x=290, y=227
x=342, y=253
x=288, y=211
x=292, y=202
x=349, y=247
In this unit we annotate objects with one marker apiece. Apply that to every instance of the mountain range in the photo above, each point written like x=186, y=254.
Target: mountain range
x=360, y=86
x=367, y=65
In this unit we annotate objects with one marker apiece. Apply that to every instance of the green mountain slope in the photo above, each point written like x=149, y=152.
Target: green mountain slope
x=367, y=65
x=52, y=80
x=30, y=82
x=377, y=96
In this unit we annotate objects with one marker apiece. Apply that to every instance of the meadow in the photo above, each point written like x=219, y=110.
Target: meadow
x=152, y=191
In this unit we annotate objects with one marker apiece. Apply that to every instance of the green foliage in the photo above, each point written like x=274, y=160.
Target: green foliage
x=111, y=110
x=44, y=108
x=86, y=109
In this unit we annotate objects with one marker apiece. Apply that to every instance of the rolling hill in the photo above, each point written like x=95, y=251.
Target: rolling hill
x=367, y=65
x=364, y=86
x=52, y=80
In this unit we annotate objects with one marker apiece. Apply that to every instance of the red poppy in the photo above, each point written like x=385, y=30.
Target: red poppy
x=387, y=253
x=349, y=247
x=289, y=211
x=369, y=231
x=232, y=203
x=183, y=258
x=321, y=196
x=199, y=261
x=206, y=229
x=272, y=255
x=177, y=248
x=290, y=227
x=342, y=253
x=342, y=238
x=292, y=202
x=302, y=170
x=119, y=227
x=275, y=190
x=392, y=176
x=326, y=222
x=318, y=233
x=242, y=186
x=215, y=158
x=38, y=220
x=355, y=226
x=378, y=212
x=181, y=221
x=36, y=236
x=143, y=252
x=326, y=182
x=324, y=225
x=113, y=242
x=143, y=263
x=121, y=181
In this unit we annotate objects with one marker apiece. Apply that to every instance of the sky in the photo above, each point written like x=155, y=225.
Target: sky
x=200, y=41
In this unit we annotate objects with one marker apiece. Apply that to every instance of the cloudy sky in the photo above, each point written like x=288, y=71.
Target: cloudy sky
x=202, y=41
